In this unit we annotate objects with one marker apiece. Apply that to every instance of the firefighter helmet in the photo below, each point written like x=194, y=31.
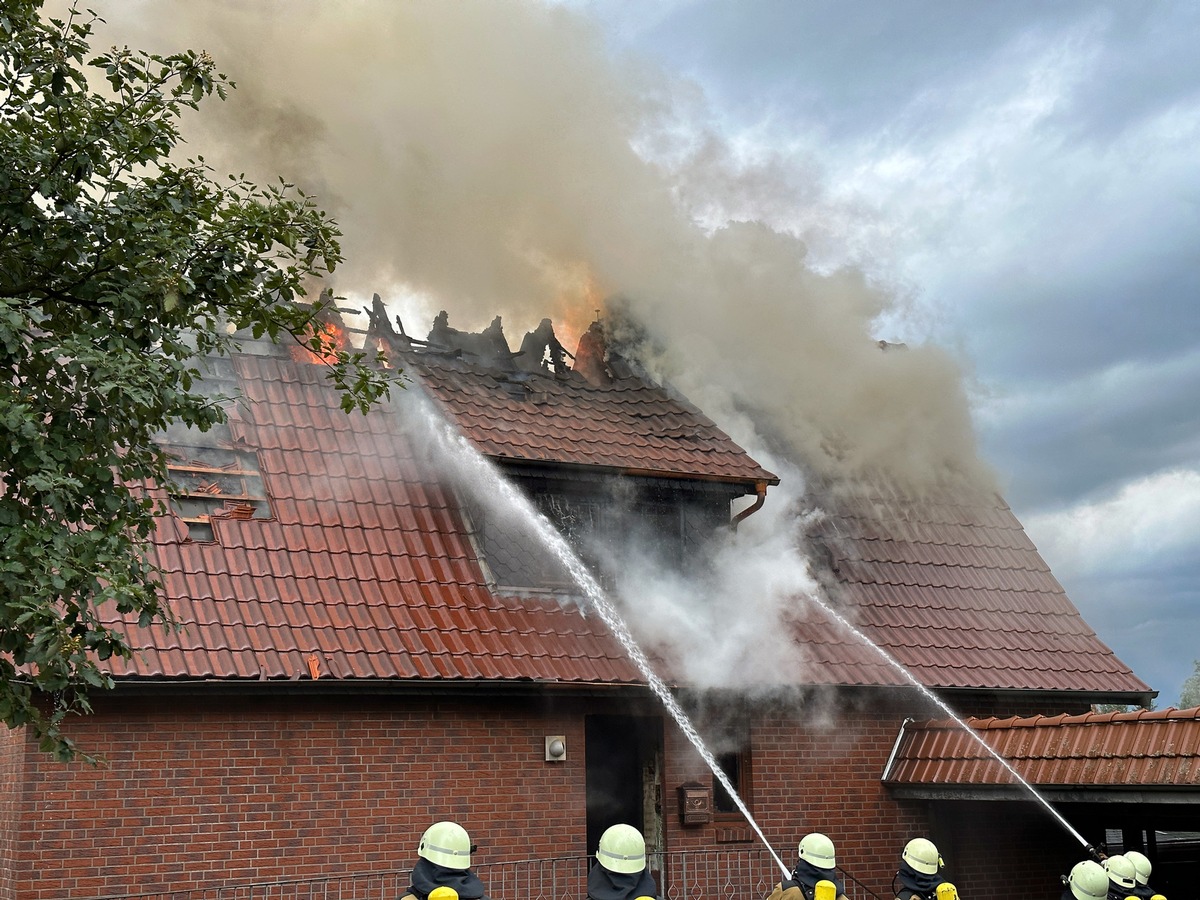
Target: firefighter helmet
x=1120, y=872
x=1088, y=881
x=816, y=849
x=443, y=893
x=922, y=855
x=622, y=849
x=447, y=844
x=1141, y=866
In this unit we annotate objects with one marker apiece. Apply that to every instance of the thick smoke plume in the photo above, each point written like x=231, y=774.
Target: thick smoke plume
x=481, y=155
x=495, y=158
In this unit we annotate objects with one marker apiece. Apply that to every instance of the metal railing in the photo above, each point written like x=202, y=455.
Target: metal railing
x=719, y=874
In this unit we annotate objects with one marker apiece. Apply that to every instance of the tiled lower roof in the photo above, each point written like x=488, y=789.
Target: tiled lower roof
x=1159, y=749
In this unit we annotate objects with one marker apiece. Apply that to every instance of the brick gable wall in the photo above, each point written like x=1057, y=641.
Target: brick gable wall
x=13, y=746
x=196, y=791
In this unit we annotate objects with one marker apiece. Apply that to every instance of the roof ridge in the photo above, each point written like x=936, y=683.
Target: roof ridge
x=1170, y=714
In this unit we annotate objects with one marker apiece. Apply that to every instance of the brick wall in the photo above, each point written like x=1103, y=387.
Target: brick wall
x=201, y=791
x=816, y=767
x=12, y=767
x=817, y=761
x=197, y=792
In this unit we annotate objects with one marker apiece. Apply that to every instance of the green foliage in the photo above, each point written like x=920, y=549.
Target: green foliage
x=1189, y=694
x=120, y=269
x=1124, y=707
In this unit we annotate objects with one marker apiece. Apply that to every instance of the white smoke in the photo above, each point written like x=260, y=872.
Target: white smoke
x=494, y=158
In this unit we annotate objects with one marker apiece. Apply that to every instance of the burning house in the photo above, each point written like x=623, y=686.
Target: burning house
x=370, y=641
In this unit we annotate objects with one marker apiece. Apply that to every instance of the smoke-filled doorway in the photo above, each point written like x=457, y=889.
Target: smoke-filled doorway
x=624, y=778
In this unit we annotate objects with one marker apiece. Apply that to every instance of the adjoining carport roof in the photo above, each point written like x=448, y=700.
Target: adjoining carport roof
x=1113, y=757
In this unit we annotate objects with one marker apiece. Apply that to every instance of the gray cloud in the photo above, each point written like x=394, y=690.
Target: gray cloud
x=1025, y=176
x=1081, y=439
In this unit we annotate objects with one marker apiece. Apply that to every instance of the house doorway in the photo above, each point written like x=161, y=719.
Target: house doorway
x=624, y=778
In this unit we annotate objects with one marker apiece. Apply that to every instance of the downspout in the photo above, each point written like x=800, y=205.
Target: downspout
x=760, y=488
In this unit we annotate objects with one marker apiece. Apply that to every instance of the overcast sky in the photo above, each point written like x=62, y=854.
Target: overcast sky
x=1026, y=175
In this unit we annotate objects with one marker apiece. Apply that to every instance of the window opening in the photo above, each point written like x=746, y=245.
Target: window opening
x=597, y=519
x=215, y=481
x=736, y=768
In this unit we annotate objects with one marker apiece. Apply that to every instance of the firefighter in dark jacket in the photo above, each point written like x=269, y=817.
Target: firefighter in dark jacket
x=920, y=876
x=1121, y=877
x=815, y=876
x=1087, y=881
x=445, y=862
x=1141, y=873
x=621, y=873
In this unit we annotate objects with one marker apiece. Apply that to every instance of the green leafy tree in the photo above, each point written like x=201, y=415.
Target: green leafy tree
x=1124, y=707
x=120, y=270
x=1189, y=694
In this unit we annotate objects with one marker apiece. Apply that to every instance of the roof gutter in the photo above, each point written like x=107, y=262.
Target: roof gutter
x=760, y=490
x=328, y=685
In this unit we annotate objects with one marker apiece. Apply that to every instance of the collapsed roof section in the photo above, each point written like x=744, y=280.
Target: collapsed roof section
x=530, y=407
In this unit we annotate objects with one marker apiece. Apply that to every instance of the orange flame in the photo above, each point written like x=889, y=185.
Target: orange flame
x=580, y=301
x=330, y=339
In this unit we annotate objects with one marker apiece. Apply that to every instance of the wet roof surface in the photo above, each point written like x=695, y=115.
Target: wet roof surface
x=1143, y=749
x=367, y=566
x=367, y=569
x=960, y=596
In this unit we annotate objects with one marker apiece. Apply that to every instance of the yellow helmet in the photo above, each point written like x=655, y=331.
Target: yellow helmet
x=443, y=893
x=447, y=844
x=817, y=850
x=922, y=855
x=1088, y=881
x=1141, y=866
x=1120, y=872
x=622, y=849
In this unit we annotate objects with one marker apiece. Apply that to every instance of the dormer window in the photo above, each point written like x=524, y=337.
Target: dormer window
x=599, y=518
x=221, y=481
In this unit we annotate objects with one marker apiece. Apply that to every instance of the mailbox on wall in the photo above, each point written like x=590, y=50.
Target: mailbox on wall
x=695, y=804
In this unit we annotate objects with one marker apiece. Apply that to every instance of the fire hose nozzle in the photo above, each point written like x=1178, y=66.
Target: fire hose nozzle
x=1094, y=853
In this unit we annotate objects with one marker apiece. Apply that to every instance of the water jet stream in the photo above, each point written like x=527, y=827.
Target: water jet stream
x=471, y=464
x=477, y=470
x=932, y=697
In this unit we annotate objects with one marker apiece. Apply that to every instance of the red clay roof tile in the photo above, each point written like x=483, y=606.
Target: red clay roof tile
x=368, y=560
x=961, y=596
x=630, y=425
x=1145, y=748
